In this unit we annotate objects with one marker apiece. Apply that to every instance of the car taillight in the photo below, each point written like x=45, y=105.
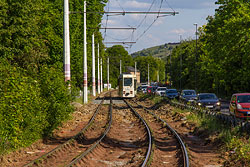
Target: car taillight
x=123, y=92
x=131, y=92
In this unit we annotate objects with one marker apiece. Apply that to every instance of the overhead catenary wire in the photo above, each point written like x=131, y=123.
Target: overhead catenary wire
x=151, y=23
x=134, y=37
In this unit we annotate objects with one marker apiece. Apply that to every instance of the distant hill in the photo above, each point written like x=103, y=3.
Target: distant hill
x=161, y=51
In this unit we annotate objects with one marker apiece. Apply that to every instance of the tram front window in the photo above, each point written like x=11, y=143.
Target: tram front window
x=127, y=81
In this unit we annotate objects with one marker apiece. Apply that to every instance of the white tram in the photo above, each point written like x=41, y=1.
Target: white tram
x=127, y=85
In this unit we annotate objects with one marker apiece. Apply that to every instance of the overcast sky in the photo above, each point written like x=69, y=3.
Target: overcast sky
x=163, y=30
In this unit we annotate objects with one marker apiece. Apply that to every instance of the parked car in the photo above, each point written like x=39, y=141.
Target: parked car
x=161, y=91
x=208, y=100
x=240, y=105
x=154, y=88
x=188, y=96
x=139, y=89
x=151, y=89
x=172, y=93
x=144, y=88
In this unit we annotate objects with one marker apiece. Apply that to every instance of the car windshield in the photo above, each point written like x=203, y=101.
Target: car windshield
x=243, y=99
x=171, y=91
x=160, y=89
x=207, y=96
x=127, y=81
x=144, y=87
x=149, y=88
x=189, y=92
x=154, y=88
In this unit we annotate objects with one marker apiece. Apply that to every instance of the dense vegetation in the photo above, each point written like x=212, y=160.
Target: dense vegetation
x=117, y=53
x=161, y=51
x=34, y=99
x=222, y=54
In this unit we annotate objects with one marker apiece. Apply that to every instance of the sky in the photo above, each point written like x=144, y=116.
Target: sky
x=153, y=29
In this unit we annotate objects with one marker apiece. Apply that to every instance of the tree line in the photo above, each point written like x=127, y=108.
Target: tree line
x=223, y=49
x=34, y=99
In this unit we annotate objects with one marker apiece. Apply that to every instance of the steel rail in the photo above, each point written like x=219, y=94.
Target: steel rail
x=82, y=155
x=182, y=144
x=58, y=148
x=144, y=164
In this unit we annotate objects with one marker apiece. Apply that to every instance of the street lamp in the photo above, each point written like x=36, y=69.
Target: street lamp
x=180, y=62
x=196, y=33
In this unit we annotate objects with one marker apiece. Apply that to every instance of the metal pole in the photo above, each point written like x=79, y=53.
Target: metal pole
x=85, y=77
x=180, y=66
x=170, y=71
x=135, y=72
x=120, y=66
x=66, y=41
x=93, y=66
x=196, y=57
x=158, y=76
x=108, y=72
x=148, y=74
x=98, y=71
x=101, y=77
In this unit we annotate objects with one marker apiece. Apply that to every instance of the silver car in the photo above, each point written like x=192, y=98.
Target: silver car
x=161, y=91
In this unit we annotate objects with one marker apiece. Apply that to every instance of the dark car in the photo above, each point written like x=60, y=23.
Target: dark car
x=172, y=93
x=139, y=89
x=188, y=96
x=144, y=88
x=154, y=89
x=240, y=105
x=208, y=100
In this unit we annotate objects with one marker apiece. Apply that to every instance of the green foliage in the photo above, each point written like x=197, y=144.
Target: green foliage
x=34, y=99
x=162, y=51
x=22, y=109
x=156, y=65
x=222, y=52
x=57, y=96
x=117, y=53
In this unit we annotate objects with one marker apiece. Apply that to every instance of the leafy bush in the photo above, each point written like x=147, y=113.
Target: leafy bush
x=22, y=115
x=30, y=107
x=57, y=96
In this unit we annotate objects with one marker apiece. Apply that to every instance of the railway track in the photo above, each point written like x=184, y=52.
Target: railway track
x=169, y=148
x=118, y=135
x=81, y=144
x=128, y=142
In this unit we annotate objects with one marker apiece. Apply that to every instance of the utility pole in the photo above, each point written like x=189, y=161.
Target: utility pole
x=148, y=75
x=180, y=66
x=135, y=71
x=170, y=70
x=85, y=77
x=101, y=77
x=120, y=66
x=66, y=42
x=196, y=57
x=93, y=66
x=108, y=72
x=158, y=79
x=98, y=71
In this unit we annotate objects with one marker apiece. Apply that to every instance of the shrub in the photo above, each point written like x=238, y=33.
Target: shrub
x=57, y=96
x=22, y=115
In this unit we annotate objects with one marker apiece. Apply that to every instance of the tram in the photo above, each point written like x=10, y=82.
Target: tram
x=127, y=85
